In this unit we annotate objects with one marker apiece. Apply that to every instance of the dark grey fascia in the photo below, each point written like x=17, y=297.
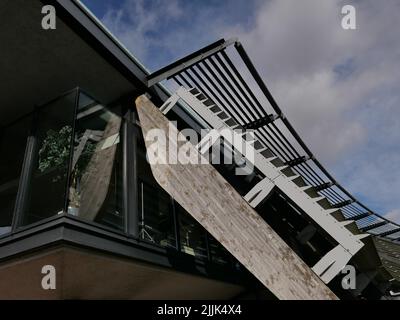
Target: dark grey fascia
x=67, y=230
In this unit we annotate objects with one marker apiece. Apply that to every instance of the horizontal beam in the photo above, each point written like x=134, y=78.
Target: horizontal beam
x=342, y=204
x=261, y=122
x=186, y=62
x=297, y=161
x=323, y=186
x=387, y=233
x=373, y=226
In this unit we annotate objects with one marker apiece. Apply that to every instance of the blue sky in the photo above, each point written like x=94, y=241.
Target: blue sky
x=160, y=19
x=340, y=88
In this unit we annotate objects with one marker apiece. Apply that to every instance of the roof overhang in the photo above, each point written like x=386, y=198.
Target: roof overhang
x=37, y=65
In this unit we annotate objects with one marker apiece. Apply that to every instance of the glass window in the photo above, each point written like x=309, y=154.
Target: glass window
x=192, y=234
x=156, y=222
x=49, y=177
x=95, y=183
x=12, y=150
x=155, y=206
x=218, y=253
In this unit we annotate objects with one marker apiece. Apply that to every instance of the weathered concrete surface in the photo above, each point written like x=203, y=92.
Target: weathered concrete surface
x=216, y=205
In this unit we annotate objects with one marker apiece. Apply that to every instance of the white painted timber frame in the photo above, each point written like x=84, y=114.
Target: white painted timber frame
x=348, y=244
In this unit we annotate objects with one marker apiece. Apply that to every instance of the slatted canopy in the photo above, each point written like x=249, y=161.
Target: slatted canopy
x=224, y=72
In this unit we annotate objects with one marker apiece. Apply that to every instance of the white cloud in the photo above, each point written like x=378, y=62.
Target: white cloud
x=133, y=23
x=393, y=215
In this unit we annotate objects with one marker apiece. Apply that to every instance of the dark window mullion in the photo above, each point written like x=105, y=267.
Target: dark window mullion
x=71, y=151
x=24, y=186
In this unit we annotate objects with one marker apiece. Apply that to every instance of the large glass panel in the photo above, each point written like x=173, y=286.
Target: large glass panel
x=156, y=223
x=155, y=206
x=12, y=149
x=49, y=177
x=192, y=234
x=217, y=251
x=95, y=182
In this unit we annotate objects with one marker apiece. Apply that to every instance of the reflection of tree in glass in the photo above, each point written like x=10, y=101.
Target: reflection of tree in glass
x=55, y=152
x=55, y=149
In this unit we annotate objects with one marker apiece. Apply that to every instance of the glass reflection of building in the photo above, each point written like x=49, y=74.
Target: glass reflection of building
x=69, y=161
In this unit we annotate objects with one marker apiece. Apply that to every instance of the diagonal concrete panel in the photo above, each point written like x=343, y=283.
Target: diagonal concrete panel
x=217, y=206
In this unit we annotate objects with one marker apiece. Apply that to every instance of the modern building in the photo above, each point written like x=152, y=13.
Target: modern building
x=77, y=192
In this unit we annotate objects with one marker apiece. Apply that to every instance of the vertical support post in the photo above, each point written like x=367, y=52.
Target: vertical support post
x=176, y=226
x=129, y=173
x=71, y=150
x=208, y=248
x=28, y=167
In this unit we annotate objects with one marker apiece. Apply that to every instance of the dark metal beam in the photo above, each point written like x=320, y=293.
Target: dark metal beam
x=323, y=186
x=188, y=61
x=342, y=204
x=373, y=226
x=297, y=161
x=261, y=122
x=387, y=233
